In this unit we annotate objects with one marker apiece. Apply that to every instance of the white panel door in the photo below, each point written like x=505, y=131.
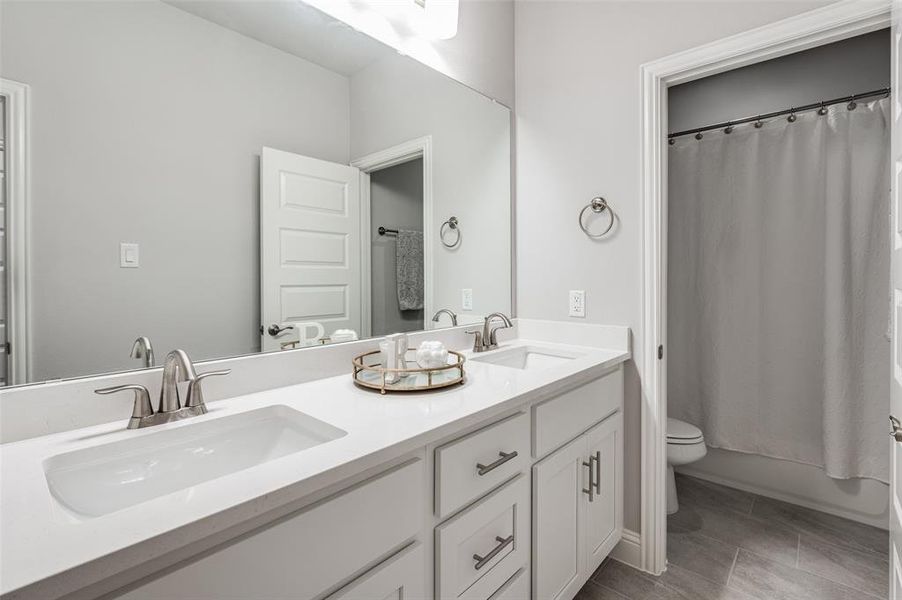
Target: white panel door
x=896, y=383
x=604, y=508
x=558, y=560
x=310, y=267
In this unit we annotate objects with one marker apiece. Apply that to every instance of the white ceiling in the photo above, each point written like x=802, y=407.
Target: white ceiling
x=294, y=27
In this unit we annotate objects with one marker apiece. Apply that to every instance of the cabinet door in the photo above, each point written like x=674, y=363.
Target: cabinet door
x=604, y=513
x=401, y=577
x=558, y=510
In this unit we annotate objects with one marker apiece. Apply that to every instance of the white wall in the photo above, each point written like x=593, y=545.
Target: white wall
x=577, y=91
x=854, y=65
x=396, y=202
x=471, y=170
x=146, y=119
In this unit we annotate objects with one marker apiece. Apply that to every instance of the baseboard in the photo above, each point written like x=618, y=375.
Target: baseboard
x=628, y=551
x=876, y=521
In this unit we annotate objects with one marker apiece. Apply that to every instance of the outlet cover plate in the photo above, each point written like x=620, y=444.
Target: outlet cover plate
x=466, y=299
x=577, y=303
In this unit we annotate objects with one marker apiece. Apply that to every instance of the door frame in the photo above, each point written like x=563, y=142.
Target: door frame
x=831, y=23
x=18, y=219
x=383, y=159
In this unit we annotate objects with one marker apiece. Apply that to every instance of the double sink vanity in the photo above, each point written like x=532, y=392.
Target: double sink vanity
x=508, y=486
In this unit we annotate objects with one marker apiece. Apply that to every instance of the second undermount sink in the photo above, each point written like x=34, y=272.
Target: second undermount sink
x=528, y=358
x=103, y=479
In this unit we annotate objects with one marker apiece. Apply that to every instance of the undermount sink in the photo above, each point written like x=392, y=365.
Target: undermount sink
x=103, y=479
x=529, y=358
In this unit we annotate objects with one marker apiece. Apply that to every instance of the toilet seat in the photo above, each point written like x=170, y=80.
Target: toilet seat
x=680, y=433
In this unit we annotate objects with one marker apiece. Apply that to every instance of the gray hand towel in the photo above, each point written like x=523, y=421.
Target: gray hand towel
x=410, y=269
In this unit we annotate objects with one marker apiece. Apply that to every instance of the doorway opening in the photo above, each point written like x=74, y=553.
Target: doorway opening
x=396, y=248
x=809, y=30
x=397, y=238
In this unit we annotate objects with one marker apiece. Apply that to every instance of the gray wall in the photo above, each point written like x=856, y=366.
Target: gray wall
x=396, y=202
x=146, y=119
x=858, y=64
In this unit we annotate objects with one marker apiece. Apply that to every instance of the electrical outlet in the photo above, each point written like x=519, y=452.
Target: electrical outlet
x=577, y=303
x=466, y=299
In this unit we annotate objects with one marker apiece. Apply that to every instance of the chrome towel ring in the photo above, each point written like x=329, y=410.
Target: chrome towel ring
x=598, y=205
x=451, y=225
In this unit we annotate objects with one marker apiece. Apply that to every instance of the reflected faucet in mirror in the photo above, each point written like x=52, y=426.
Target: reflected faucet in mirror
x=448, y=312
x=142, y=348
x=177, y=367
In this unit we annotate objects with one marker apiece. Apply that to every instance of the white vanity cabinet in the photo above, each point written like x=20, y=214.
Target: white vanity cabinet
x=524, y=505
x=400, y=577
x=310, y=552
x=577, y=492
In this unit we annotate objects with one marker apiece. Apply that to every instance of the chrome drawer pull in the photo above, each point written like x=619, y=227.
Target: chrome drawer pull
x=594, y=465
x=482, y=469
x=502, y=544
x=597, y=457
x=591, y=490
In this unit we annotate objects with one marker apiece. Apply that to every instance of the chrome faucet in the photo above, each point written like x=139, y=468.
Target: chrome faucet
x=448, y=312
x=142, y=348
x=487, y=339
x=176, y=368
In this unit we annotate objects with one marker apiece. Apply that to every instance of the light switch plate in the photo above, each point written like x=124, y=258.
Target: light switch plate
x=128, y=255
x=577, y=303
x=466, y=299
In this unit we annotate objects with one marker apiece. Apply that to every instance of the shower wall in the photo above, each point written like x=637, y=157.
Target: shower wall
x=855, y=65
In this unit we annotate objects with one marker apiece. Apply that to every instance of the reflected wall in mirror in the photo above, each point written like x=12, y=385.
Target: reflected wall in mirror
x=214, y=176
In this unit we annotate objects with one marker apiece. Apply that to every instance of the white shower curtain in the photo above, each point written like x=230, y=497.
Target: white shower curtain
x=778, y=291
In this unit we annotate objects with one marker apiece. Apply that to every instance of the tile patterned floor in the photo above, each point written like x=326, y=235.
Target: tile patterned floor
x=725, y=544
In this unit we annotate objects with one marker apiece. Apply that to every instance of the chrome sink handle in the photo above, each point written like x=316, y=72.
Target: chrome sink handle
x=142, y=407
x=196, y=392
x=477, y=341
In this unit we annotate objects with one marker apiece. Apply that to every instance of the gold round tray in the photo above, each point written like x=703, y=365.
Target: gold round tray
x=409, y=378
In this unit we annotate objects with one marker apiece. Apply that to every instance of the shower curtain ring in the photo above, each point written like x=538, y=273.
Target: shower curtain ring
x=792, y=115
x=699, y=135
x=822, y=110
x=759, y=124
x=852, y=105
x=729, y=128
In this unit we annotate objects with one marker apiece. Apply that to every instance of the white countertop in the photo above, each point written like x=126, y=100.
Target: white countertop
x=47, y=551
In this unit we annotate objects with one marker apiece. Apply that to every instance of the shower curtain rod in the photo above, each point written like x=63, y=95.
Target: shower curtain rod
x=789, y=111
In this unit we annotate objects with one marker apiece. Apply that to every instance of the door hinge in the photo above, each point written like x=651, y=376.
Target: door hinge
x=660, y=352
x=9, y=348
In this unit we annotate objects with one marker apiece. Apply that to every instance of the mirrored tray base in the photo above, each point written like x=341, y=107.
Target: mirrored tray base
x=369, y=373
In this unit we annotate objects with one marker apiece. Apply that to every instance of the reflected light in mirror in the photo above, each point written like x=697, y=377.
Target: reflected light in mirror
x=396, y=22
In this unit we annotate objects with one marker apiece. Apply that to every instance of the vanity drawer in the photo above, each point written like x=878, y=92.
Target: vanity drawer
x=309, y=552
x=479, y=550
x=561, y=419
x=470, y=466
x=516, y=588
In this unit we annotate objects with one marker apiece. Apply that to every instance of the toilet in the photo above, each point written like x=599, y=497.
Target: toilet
x=685, y=444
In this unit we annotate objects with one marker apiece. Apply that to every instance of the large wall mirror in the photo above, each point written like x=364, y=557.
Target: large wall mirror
x=234, y=177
